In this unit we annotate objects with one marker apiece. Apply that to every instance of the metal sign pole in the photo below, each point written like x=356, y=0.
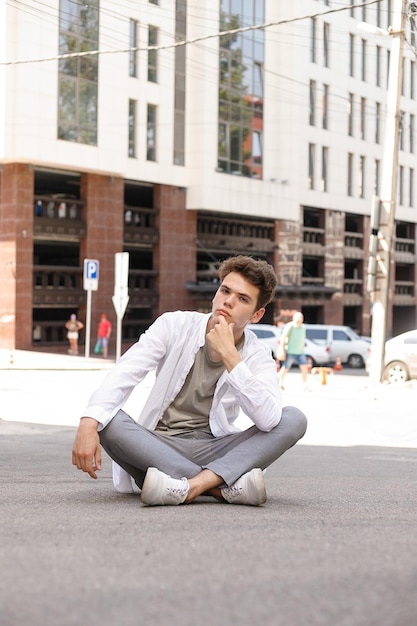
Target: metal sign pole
x=119, y=337
x=90, y=283
x=88, y=325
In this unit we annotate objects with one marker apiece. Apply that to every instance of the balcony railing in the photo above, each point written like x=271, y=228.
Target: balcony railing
x=233, y=234
x=142, y=288
x=313, y=241
x=59, y=217
x=405, y=245
x=354, y=240
x=405, y=251
x=51, y=333
x=312, y=280
x=404, y=288
x=57, y=286
x=139, y=225
x=353, y=285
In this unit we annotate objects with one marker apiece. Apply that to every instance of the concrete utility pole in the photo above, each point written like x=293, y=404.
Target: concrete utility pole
x=381, y=245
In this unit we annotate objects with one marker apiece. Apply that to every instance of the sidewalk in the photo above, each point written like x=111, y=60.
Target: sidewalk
x=37, y=360
x=53, y=389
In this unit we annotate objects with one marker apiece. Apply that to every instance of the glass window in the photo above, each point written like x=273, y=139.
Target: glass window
x=324, y=168
x=362, y=163
x=311, y=164
x=377, y=122
x=403, y=77
x=351, y=55
x=318, y=335
x=152, y=54
x=401, y=184
x=180, y=82
x=151, y=133
x=401, y=130
x=350, y=175
x=363, y=57
x=326, y=44
x=313, y=39
x=378, y=66
x=133, y=42
x=411, y=188
x=325, y=107
x=377, y=177
x=363, y=117
x=350, y=114
x=78, y=76
x=312, y=116
x=412, y=132
x=241, y=90
x=68, y=15
x=132, y=129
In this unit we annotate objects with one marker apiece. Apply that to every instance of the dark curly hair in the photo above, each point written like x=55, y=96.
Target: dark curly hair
x=258, y=272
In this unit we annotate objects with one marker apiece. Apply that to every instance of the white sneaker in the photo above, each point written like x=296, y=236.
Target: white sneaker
x=159, y=488
x=248, y=489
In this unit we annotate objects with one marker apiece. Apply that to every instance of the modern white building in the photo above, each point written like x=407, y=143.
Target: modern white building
x=137, y=127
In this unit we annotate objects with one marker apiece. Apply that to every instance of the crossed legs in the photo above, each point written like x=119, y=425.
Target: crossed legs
x=208, y=463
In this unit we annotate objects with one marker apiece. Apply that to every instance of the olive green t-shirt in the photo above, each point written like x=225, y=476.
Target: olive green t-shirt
x=190, y=410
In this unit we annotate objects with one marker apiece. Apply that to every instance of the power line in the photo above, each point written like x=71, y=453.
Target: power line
x=177, y=44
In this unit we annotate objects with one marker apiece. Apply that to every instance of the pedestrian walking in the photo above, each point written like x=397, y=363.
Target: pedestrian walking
x=292, y=347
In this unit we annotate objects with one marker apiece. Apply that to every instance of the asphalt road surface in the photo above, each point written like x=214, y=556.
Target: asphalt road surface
x=335, y=544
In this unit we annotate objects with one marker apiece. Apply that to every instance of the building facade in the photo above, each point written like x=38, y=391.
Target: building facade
x=138, y=127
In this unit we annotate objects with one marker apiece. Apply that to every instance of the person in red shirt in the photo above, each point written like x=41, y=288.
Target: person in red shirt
x=103, y=334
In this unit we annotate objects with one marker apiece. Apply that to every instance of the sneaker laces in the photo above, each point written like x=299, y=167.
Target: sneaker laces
x=233, y=491
x=179, y=491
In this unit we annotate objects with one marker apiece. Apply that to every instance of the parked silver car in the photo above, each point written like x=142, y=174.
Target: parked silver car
x=341, y=341
x=400, y=360
x=317, y=354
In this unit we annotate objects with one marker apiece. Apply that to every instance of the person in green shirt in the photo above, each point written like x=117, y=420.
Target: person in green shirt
x=293, y=341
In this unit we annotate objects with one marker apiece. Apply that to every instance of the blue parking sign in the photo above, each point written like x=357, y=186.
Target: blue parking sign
x=91, y=270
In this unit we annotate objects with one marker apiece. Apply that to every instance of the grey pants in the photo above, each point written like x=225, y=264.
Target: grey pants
x=136, y=448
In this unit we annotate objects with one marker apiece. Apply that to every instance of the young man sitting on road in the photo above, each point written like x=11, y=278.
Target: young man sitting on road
x=207, y=368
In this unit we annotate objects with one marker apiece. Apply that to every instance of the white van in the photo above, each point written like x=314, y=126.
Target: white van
x=341, y=341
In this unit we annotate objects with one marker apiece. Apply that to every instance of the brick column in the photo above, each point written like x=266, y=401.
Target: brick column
x=16, y=256
x=175, y=254
x=288, y=262
x=334, y=265
x=104, y=202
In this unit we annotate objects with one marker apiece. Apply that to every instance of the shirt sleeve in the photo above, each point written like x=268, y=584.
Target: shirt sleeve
x=257, y=391
x=129, y=371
